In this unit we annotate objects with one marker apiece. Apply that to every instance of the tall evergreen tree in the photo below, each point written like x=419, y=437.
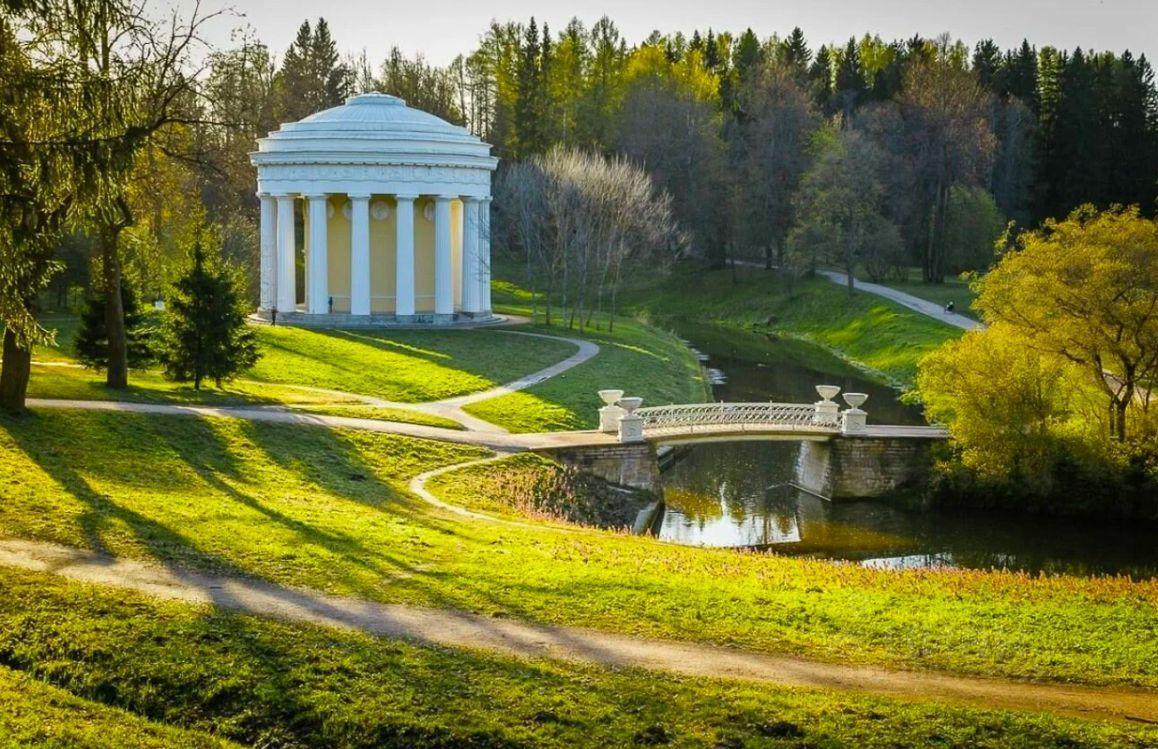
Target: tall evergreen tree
x=92, y=338
x=205, y=333
x=531, y=134
x=795, y=54
x=987, y=63
x=850, y=81
x=312, y=78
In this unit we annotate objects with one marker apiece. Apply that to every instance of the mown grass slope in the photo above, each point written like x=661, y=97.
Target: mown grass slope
x=329, y=509
x=35, y=714
x=883, y=337
x=264, y=683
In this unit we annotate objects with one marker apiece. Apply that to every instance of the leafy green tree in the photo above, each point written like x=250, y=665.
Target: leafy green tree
x=973, y=224
x=840, y=206
x=1086, y=289
x=770, y=147
x=205, y=335
x=92, y=338
x=87, y=86
x=947, y=143
x=1006, y=404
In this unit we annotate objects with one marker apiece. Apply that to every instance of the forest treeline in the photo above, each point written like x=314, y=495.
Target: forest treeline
x=949, y=142
x=125, y=136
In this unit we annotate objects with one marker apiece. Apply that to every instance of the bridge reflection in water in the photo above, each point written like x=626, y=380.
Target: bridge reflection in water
x=736, y=495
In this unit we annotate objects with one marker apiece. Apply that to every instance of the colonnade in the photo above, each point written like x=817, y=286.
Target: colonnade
x=279, y=243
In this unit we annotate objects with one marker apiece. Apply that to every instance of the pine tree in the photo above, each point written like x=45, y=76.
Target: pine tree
x=850, y=81
x=335, y=79
x=820, y=77
x=795, y=54
x=92, y=341
x=987, y=65
x=205, y=334
x=312, y=78
x=532, y=133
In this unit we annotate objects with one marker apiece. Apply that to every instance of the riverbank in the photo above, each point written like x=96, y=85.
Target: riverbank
x=879, y=337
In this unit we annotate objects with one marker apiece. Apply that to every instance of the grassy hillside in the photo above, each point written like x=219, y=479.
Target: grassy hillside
x=264, y=683
x=637, y=358
x=329, y=509
x=883, y=337
x=33, y=713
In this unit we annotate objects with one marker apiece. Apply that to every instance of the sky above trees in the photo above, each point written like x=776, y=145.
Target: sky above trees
x=444, y=29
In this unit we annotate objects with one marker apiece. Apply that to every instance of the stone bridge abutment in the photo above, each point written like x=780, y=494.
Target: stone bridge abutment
x=841, y=457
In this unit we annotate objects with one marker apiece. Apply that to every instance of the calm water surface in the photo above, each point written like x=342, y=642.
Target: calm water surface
x=737, y=494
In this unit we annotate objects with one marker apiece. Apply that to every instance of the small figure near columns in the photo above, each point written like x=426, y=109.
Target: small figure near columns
x=361, y=259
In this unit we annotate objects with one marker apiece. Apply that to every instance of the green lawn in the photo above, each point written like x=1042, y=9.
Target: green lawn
x=414, y=366
x=634, y=357
x=405, y=366
x=328, y=509
x=883, y=337
x=32, y=713
x=265, y=683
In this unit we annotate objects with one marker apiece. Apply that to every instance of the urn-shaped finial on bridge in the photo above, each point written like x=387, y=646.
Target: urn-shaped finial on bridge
x=611, y=412
x=631, y=423
x=827, y=410
x=854, y=419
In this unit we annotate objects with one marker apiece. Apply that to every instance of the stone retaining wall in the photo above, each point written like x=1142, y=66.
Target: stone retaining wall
x=852, y=467
x=632, y=465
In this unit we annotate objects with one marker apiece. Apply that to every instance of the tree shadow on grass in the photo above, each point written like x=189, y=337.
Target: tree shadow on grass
x=343, y=559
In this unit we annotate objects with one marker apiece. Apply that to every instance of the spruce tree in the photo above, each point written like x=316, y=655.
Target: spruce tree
x=92, y=340
x=206, y=335
x=796, y=54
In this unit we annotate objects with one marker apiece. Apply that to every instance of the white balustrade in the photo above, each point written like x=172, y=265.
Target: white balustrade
x=658, y=420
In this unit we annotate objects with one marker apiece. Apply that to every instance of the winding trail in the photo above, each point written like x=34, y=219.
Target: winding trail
x=924, y=306
x=521, y=639
x=493, y=439
x=448, y=408
x=512, y=638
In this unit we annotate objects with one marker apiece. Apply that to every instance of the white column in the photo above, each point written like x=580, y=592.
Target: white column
x=359, y=254
x=443, y=262
x=268, y=283
x=470, y=264
x=317, y=278
x=404, y=257
x=484, y=255
x=287, y=292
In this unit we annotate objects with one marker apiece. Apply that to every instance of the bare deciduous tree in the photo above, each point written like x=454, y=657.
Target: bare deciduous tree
x=580, y=223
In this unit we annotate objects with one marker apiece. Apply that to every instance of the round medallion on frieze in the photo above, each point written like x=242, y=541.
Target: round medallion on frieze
x=428, y=211
x=380, y=210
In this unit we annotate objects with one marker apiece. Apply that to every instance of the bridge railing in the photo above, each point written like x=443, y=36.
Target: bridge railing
x=682, y=418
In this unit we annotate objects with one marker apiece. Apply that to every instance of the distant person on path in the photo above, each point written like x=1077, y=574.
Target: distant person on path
x=950, y=307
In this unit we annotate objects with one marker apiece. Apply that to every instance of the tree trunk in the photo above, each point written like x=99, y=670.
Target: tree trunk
x=14, y=373
x=117, y=374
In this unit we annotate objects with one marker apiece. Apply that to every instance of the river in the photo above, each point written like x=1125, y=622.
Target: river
x=738, y=495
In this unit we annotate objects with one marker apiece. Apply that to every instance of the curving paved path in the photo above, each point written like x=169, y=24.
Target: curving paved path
x=460, y=629
x=925, y=307
x=495, y=440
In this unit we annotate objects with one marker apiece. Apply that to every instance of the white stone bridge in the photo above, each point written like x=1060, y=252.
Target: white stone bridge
x=841, y=455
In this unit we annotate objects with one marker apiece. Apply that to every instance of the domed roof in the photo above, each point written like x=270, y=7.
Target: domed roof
x=372, y=128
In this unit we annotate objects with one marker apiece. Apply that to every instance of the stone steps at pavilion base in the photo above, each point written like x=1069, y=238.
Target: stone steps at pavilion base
x=346, y=320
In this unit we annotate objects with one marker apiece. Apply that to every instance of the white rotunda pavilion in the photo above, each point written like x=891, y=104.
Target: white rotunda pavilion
x=393, y=206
